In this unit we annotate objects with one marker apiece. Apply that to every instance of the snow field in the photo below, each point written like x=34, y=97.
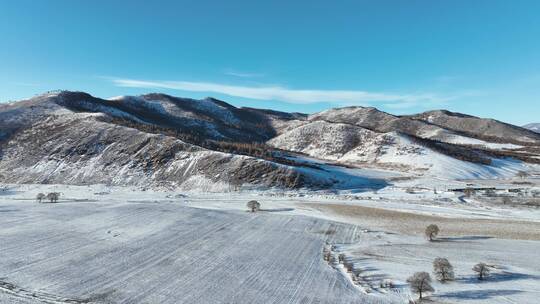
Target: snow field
x=125, y=245
x=515, y=270
x=142, y=252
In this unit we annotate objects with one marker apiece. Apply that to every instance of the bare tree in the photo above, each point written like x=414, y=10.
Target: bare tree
x=432, y=231
x=522, y=174
x=443, y=270
x=254, y=206
x=482, y=270
x=420, y=282
x=53, y=197
x=468, y=192
x=40, y=197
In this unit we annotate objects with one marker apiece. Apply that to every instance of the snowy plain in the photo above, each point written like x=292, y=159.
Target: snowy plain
x=136, y=249
x=103, y=244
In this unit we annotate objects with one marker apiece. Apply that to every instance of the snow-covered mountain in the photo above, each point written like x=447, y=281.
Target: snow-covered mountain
x=438, y=125
x=533, y=127
x=160, y=140
x=353, y=145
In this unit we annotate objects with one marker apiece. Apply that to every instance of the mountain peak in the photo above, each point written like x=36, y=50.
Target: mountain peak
x=533, y=127
x=441, y=112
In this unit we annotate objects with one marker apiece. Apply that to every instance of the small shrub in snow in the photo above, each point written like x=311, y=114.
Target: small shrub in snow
x=387, y=283
x=348, y=266
x=328, y=256
x=489, y=193
x=482, y=270
x=432, y=231
x=254, y=206
x=420, y=283
x=443, y=270
x=333, y=260
x=40, y=197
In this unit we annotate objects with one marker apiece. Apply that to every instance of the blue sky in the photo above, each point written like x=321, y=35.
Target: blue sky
x=477, y=57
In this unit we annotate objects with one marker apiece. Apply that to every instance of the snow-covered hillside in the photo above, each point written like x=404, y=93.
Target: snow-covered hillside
x=355, y=145
x=533, y=127
x=476, y=127
x=160, y=140
x=83, y=148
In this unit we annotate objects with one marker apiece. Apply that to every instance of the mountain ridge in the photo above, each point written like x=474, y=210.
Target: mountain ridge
x=158, y=139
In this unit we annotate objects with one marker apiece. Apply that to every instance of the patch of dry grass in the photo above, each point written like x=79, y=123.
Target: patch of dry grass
x=412, y=223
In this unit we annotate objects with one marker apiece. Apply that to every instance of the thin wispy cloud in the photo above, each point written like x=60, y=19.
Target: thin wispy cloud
x=338, y=97
x=242, y=74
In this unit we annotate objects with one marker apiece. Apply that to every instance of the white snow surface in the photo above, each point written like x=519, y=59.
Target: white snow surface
x=108, y=244
x=403, y=151
x=132, y=248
